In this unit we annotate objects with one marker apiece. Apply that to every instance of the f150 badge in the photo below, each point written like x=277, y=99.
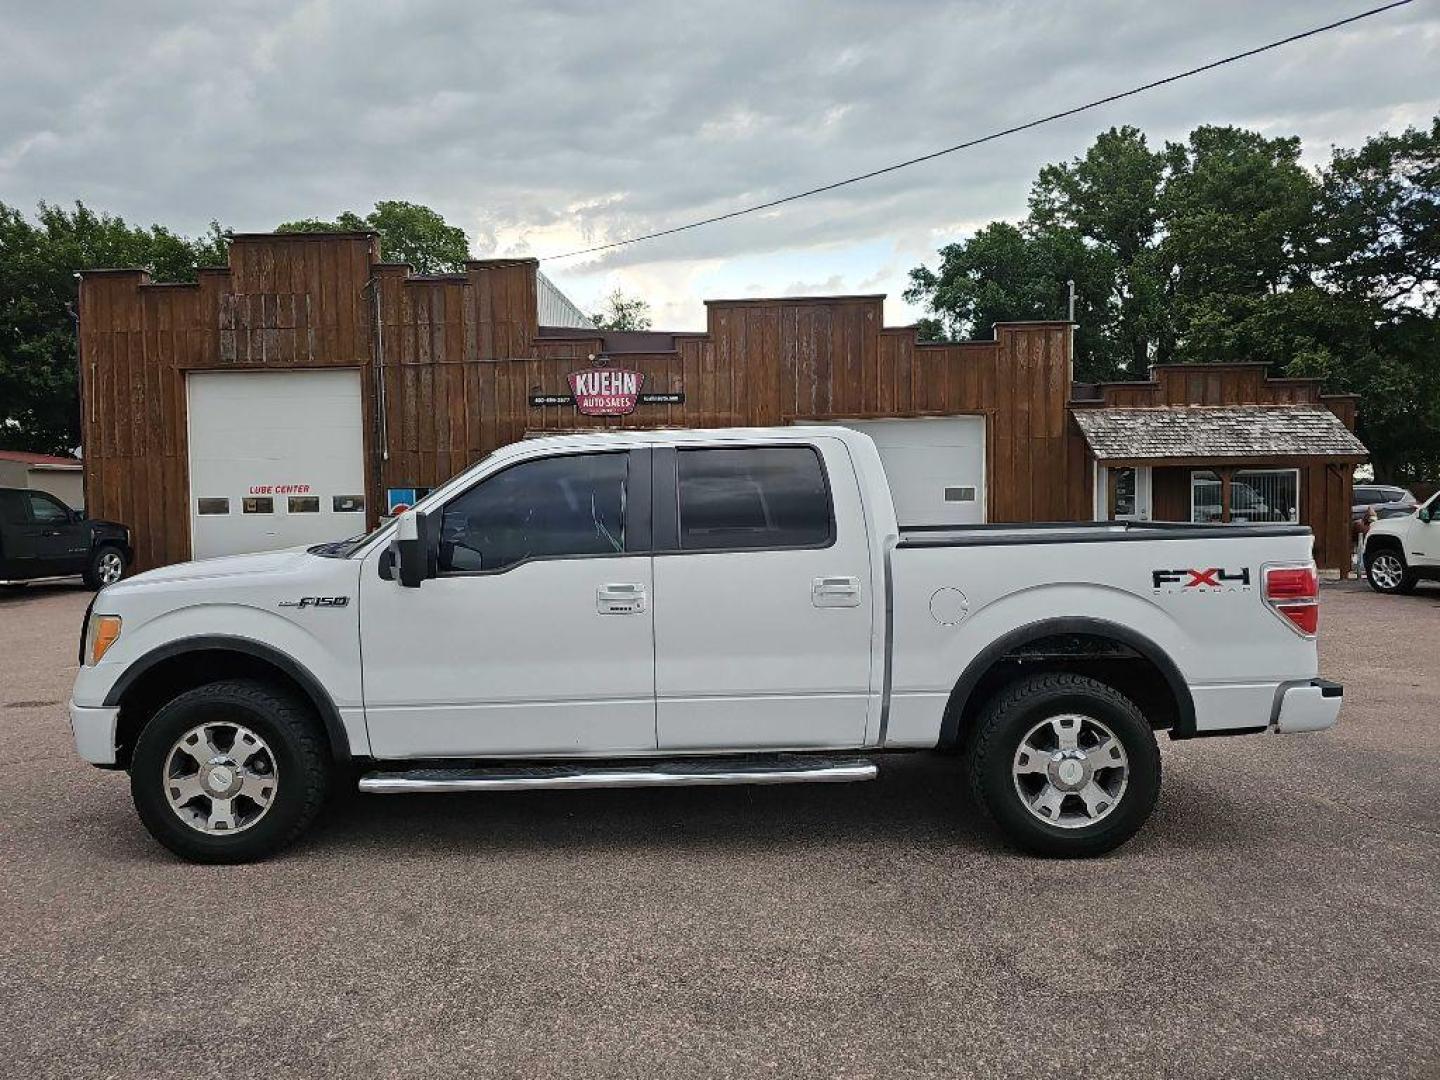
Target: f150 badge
x=317, y=601
x=1213, y=579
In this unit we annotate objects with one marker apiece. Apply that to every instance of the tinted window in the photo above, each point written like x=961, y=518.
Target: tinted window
x=12, y=507
x=573, y=505
x=754, y=497
x=1365, y=496
x=46, y=510
x=213, y=506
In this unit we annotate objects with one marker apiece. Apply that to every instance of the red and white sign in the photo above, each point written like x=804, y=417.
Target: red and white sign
x=606, y=391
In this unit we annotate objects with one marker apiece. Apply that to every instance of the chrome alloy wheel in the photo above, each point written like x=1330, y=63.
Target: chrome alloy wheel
x=1387, y=571
x=110, y=568
x=1070, y=771
x=220, y=778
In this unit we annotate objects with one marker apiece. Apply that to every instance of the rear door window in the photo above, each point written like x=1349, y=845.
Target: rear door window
x=12, y=508
x=753, y=497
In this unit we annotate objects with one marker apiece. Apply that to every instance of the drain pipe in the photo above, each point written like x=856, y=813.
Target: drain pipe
x=378, y=337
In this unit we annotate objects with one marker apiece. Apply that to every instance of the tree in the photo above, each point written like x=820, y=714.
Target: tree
x=409, y=233
x=1379, y=256
x=623, y=312
x=39, y=406
x=1225, y=247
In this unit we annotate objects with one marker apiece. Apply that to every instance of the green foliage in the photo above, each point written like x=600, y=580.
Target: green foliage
x=623, y=312
x=409, y=233
x=1223, y=248
x=39, y=408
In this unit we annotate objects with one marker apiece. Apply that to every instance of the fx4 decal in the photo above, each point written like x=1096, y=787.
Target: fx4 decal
x=317, y=601
x=1214, y=579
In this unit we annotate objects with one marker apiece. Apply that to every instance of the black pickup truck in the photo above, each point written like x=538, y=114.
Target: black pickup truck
x=42, y=537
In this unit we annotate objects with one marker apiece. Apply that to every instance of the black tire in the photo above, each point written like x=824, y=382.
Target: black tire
x=94, y=572
x=301, y=763
x=1402, y=586
x=1007, y=719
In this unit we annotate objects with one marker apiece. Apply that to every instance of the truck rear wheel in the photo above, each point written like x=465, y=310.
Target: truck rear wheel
x=229, y=772
x=1066, y=765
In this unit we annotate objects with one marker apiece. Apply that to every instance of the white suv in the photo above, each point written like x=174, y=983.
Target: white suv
x=1399, y=551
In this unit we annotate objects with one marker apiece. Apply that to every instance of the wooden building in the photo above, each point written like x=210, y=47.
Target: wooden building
x=430, y=373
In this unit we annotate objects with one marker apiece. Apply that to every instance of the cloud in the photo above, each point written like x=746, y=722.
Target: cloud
x=546, y=127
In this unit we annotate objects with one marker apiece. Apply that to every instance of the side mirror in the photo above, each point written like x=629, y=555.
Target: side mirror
x=413, y=547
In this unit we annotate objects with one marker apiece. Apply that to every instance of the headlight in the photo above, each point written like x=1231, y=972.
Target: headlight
x=102, y=632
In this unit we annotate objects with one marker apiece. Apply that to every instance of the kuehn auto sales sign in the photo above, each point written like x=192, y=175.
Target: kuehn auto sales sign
x=606, y=391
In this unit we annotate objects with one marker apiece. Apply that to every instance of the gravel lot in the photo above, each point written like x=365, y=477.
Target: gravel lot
x=1279, y=916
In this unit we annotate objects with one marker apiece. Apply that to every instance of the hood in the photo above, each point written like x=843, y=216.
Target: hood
x=260, y=562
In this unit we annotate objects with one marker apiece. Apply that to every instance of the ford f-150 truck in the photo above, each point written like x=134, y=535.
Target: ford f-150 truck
x=693, y=607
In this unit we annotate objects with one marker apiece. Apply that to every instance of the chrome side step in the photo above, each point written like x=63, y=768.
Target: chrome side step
x=689, y=773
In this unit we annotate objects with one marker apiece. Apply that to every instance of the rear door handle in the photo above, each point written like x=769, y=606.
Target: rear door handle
x=620, y=598
x=835, y=592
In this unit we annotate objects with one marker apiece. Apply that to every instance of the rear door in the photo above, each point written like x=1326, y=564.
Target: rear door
x=763, y=603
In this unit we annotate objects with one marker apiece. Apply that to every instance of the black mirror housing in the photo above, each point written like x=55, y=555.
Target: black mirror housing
x=416, y=550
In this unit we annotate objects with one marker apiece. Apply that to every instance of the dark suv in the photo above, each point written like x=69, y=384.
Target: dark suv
x=1375, y=502
x=42, y=537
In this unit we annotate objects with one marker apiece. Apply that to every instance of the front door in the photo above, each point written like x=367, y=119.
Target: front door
x=536, y=636
x=764, y=600
x=1424, y=537
x=61, y=543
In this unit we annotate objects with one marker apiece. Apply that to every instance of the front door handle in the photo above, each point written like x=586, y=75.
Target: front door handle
x=835, y=592
x=621, y=598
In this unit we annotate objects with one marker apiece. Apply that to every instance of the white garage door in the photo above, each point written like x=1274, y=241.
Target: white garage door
x=276, y=459
x=935, y=465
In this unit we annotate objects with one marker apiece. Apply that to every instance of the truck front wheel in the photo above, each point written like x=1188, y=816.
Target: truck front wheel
x=1066, y=765
x=229, y=772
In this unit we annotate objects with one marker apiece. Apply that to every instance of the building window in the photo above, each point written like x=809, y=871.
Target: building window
x=263, y=505
x=1255, y=495
x=755, y=497
x=213, y=506
x=1265, y=495
x=304, y=504
x=959, y=494
x=349, y=504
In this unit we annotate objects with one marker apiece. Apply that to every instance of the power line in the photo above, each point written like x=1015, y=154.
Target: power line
x=987, y=138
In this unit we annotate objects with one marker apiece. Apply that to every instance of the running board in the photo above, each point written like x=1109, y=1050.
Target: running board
x=692, y=773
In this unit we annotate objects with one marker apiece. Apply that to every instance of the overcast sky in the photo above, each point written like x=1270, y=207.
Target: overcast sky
x=544, y=127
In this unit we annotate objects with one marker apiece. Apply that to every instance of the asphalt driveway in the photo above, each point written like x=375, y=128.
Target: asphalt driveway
x=1279, y=916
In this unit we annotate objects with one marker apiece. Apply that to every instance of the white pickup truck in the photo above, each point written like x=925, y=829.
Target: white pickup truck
x=692, y=607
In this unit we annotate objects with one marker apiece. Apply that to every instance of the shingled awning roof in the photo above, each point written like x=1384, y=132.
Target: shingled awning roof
x=1217, y=431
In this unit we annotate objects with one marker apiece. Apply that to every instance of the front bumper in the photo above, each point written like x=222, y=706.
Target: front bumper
x=1311, y=705
x=94, y=732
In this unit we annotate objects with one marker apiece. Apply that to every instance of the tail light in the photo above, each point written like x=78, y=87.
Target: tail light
x=1293, y=592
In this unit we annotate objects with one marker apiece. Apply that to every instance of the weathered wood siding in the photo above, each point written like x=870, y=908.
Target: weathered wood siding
x=453, y=360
